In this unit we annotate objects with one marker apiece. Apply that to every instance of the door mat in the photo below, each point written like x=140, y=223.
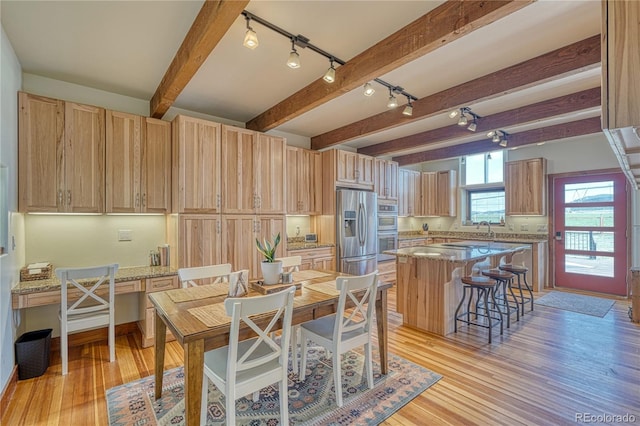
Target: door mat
x=311, y=402
x=588, y=305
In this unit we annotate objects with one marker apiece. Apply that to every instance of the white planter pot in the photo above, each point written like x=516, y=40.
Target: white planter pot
x=271, y=272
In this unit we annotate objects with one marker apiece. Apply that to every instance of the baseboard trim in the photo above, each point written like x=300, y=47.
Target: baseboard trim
x=97, y=335
x=7, y=392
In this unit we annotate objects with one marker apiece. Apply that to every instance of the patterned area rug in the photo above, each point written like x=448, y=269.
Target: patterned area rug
x=579, y=303
x=311, y=402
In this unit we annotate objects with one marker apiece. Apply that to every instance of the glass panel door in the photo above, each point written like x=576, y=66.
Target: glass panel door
x=590, y=223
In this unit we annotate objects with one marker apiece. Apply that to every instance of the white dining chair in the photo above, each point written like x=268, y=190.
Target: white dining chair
x=291, y=263
x=244, y=367
x=343, y=331
x=198, y=275
x=94, y=308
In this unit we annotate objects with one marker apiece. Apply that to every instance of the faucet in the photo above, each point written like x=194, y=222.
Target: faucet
x=489, y=232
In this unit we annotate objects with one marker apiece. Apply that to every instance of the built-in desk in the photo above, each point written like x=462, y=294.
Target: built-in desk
x=132, y=279
x=428, y=285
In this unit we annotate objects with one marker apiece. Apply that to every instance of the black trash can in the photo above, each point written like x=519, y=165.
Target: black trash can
x=32, y=353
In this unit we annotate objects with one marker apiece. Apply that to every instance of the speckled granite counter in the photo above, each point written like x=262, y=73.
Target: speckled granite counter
x=464, y=251
x=482, y=236
x=307, y=246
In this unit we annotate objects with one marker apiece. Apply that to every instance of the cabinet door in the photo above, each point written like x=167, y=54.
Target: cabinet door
x=40, y=154
x=292, y=176
x=447, y=193
x=391, y=179
x=196, y=173
x=429, y=193
x=365, y=170
x=156, y=167
x=403, y=206
x=347, y=166
x=267, y=228
x=269, y=174
x=238, y=242
x=238, y=167
x=525, y=189
x=84, y=154
x=311, y=179
x=380, y=182
x=199, y=240
x=123, y=163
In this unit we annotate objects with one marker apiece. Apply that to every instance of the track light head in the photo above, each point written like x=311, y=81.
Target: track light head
x=330, y=75
x=503, y=143
x=473, y=126
x=408, y=109
x=294, y=58
x=462, y=121
x=454, y=113
x=495, y=138
x=393, y=102
x=369, y=90
x=491, y=134
x=250, y=37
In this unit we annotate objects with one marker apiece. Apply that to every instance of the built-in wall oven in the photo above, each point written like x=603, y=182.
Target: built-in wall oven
x=387, y=230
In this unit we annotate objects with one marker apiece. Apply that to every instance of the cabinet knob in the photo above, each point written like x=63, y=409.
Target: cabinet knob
x=68, y=197
x=137, y=201
x=144, y=200
x=60, y=197
x=218, y=201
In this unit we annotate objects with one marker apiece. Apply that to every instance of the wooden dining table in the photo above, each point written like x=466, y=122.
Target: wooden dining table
x=197, y=319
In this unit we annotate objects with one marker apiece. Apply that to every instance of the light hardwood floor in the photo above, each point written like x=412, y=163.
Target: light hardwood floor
x=550, y=367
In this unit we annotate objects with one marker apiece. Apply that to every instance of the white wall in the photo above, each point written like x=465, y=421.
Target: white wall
x=10, y=77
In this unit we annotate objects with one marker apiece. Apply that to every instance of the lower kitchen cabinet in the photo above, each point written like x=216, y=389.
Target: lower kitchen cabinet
x=387, y=271
x=414, y=242
x=316, y=258
x=147, y=311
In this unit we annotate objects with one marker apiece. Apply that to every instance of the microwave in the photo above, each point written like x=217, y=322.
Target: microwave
x=387, y=223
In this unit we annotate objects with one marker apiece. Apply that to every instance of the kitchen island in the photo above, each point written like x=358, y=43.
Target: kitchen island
x=428, y=279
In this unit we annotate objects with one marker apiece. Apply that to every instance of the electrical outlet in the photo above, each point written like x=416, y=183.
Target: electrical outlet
x=125, y=235
x=524, y=227
x=542, y=227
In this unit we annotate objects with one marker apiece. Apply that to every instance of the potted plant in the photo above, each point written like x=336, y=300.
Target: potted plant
x=271, y=268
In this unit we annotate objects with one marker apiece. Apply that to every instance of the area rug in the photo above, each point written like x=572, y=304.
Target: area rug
x=579, y=303
x=311, y=402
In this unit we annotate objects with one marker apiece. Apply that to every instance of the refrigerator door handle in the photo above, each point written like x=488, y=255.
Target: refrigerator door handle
x=360, y=259
x=362, y=223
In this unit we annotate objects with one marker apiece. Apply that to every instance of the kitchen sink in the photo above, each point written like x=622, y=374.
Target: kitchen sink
x=464, y=246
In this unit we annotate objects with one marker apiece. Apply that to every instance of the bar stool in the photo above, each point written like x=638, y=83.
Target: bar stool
x=484, y=288
x=504, y=281
x=520, y=271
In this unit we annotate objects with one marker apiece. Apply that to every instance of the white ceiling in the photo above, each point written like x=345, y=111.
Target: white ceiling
x=125, y=47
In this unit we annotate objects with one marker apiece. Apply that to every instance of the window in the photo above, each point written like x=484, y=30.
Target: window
x=484, y=184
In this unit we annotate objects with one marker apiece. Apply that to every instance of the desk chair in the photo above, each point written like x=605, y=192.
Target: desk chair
x=200, y=275
x=246, y=366
x=339, y=333
x=94, y=308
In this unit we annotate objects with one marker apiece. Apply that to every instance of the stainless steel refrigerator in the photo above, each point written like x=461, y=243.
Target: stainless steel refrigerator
x=356, y=231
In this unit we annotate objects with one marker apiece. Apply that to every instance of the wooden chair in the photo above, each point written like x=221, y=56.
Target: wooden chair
x=341, y=333
x=291, y=263
x=92, y=309
x=246, y=366
x=199, y=275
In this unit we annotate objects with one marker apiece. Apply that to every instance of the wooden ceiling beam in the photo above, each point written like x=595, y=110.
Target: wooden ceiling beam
x=573, y=102
x=444, y=24
x=568, y=60
x=582, y=127
x=211, y=24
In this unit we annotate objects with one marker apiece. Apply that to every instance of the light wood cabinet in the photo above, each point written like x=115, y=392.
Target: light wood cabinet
x=525, y=187
x=429, y=188
x=195, y=166
x=239, y=233
x=446, y=193
x=387, y=271
x=414, y=242
x=355, y=169
x=316, y=258
x=409, y=190
x=61, y=155
x=304, y=181
x=138, y=164
x=199, y=240
x=386, y=179
x=147, y=311
x=253, y=169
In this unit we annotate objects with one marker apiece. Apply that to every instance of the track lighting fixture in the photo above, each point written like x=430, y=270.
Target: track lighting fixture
x=251, y=42
x=250, y=37
x=369, y=90
x=408, y=110
x=330, y=75
x=393, y=102
x=294, y=58
x=466, y=117
x=498, y=136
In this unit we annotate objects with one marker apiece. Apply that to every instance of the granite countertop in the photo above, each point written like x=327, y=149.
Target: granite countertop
x=307, y=246
x=461, y=251
x=127, y=273
x=481, y=236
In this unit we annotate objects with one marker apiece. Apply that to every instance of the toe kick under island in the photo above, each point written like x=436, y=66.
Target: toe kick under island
x=428, y=279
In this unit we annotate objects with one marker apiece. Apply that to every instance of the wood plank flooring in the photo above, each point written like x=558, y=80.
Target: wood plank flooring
x=547, y=369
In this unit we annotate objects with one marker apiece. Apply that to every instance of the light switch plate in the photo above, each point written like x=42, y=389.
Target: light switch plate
x=125, y=235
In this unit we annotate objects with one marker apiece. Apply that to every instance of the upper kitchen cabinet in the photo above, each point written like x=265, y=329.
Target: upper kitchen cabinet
x=410, y=193
x=429, y=183
x=344, y=169
x=61, y=156
x=195, y=166
x=446, y=193
x=525, y=187
x=386, y=179
x=138, y=178
x=253, y=170
x=304, y=180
